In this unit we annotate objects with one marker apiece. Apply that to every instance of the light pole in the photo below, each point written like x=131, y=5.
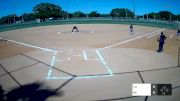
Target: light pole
x=143, y=17
x=134, y=8
x=22, y=18
x=170, y=16
x=126, y=13
x=14, y=15
x=14, y=11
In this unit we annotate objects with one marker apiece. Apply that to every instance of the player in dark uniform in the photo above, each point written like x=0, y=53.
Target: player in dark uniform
x=161, y=40
x=1, y=94
x=75, y=28
x=131, y=31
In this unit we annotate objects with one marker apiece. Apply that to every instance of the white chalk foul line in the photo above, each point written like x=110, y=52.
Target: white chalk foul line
x=171, y=36
x=130, y=39
x=44, y=49
x=152, y=35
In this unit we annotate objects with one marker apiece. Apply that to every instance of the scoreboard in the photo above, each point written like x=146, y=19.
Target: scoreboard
x=151, y=89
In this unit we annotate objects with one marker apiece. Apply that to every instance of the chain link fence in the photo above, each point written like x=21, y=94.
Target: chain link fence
x=94, y=20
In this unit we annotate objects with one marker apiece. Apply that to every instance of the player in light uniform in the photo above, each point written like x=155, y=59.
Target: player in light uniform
x=131, y=30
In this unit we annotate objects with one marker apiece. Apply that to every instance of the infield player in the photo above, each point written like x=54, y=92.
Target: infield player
x=75, y=28
x=161, y=40
x=131, y=30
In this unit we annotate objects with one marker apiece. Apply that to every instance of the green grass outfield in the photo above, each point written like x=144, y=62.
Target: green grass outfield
x=160, y=24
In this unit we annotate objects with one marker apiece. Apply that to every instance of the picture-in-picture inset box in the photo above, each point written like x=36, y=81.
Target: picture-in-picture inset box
x=141, y=89
x=151, y=89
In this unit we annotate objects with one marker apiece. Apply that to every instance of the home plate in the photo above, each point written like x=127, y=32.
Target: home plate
x=92, y=31
x=75, y=32
x=58, y=32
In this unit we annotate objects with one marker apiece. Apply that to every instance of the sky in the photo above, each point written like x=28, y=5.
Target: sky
x=102, y=6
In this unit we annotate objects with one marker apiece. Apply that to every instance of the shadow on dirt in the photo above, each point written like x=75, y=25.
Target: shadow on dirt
x=29, y=92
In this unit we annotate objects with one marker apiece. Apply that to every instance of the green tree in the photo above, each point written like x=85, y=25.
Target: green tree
x=47, y=10
x=121, y=12
x=153, y=16
x=166, y=15
x=64, y=14
x=78, y=14
x=178, y=17
x=70, y=15
x=104, y=15
x=94, y=14
x=9, y=19
x=28, y=16
x=4, y=20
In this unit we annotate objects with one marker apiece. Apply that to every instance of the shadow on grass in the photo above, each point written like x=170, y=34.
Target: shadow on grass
x=29, y=92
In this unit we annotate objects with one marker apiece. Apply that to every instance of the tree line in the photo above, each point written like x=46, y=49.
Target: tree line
x=46, y=11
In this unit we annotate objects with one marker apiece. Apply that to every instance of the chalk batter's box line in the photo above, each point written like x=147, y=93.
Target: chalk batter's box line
x=52, y=64
x=101, y=59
